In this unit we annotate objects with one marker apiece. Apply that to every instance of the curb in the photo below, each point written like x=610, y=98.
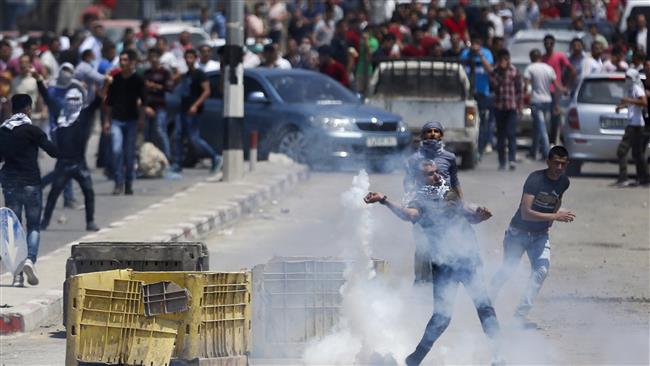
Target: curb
x=34, y=313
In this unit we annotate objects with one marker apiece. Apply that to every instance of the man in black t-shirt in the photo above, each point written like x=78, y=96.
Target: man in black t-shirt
x=21, y=177
x=528, y=230
x=195, y=89
x=124, y=100
x=157, y=81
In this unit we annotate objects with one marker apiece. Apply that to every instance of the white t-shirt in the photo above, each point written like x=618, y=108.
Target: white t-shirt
x=211, y=65
x=541, y=77
x=594, y=66
x=642, y=39
x=635, y=112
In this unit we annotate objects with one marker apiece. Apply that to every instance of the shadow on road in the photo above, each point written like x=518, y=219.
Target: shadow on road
x=60, y=334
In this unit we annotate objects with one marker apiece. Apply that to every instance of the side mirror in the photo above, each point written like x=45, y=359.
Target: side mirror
x=256, y=97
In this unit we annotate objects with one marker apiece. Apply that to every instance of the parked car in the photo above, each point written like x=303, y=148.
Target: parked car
x=520, y=46
x=170, y=30
x=594, y=128
x=306, y=115
x=421, y=90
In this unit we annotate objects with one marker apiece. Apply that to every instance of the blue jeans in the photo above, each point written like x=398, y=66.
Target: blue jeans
x=123, y=141
x=538, y=249
x=189, y=126
x=446, y=278
x=540, y=136
x=486, y=126
x=506, y=129
x=159, y=125
x=29, y=198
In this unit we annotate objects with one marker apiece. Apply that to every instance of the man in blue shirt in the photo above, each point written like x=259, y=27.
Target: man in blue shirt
x=528, y=230
x=478, y=62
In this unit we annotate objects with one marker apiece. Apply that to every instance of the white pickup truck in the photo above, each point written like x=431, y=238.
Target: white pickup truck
x=425, y=90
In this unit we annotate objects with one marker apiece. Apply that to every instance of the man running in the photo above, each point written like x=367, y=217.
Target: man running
x=21, y=177
x=455, y=257
x=528, y=230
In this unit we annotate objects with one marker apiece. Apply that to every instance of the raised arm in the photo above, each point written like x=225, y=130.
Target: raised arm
x=404, y=213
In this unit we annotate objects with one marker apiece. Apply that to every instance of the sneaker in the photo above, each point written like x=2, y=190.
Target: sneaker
x=118, y=190
x=91, y=226
x=488, y=149
x=44, y=225
x=217, y=162
x=512, y=166
x=30, y=271
x=128, y=189
x=175, y=168
x=19, y=280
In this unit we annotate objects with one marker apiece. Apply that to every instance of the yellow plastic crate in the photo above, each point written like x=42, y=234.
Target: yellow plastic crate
x=218, y=320
x=106, y=323
x=216, y=324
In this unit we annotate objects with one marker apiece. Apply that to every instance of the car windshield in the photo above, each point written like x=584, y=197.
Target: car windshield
x=601, y=91
x=425, y=83
x=311, y=89
x=521, y=49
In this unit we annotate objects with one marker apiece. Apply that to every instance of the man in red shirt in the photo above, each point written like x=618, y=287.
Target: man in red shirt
x=457, y=23
x=331, y=67
x=562, y=66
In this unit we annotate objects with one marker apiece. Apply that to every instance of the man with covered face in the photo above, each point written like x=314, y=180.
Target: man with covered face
x=65, y=100
x=455, y=259
x=431, y=148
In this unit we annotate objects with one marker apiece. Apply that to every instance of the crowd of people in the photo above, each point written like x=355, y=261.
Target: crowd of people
x=74, y=78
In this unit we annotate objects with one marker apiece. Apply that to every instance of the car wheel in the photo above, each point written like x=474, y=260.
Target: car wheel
x=469, y=159
x=293, y=143
x=574, y=168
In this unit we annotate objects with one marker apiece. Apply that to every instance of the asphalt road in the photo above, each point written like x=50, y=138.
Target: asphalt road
x=594, y=307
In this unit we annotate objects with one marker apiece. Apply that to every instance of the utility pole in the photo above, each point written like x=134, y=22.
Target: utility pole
x=233, y=91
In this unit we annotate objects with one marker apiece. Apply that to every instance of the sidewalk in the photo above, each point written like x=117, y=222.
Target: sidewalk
x=186, y=215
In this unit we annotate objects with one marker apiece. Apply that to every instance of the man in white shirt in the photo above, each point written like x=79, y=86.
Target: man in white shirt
x=167, y=60
x=272, y=58
x=94, y=43
x=635, y=101
x=595, y=62
x=641, y=33
x=540, y=76
x=205, y=62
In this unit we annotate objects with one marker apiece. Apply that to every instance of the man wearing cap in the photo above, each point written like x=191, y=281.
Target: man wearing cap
x=65, y=100
x=21, y=177
x=431, y=148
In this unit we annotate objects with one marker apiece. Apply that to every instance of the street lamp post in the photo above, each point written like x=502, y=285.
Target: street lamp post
x=233, y=91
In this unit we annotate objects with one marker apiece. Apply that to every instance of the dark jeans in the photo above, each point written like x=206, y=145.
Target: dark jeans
x=556, y=118
x=634, y=139
x=486, y=126
x=189, y=126
x=64, y=172
x=157, y=125
x=68, y=193
x=506, y=129
x=446, y=279
x=29, y=198
x=123, y=141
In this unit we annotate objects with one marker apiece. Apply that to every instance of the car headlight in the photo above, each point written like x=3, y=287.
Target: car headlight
x=401, y=126
x=337, y=124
